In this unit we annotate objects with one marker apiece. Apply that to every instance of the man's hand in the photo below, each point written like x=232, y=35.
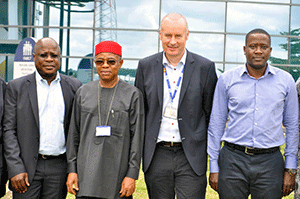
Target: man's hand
x=72, y=183
x=20, y=182
x=214, y=180
x=128, y=187
x=288, y=184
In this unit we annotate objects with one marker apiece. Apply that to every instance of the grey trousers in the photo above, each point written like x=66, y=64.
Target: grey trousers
x=49, y=181
x=170, y=173
x=241, y=175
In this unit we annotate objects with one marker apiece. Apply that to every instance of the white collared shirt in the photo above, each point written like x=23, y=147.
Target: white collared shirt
x=51, y=116
x=169, y=129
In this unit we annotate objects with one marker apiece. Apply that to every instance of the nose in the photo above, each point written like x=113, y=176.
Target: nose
x=105, y=64
x=258, y=50
x=173, y=40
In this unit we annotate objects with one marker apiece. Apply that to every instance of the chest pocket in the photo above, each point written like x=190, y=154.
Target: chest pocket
x=119, y=123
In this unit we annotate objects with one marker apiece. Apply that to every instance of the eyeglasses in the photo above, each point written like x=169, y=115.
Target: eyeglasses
x=45, y=55
x=110, y=62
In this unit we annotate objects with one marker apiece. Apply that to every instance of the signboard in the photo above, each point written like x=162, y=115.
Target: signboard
x=23, y=62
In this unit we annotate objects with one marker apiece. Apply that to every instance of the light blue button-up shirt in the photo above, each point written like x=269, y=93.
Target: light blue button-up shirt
x=256, y=110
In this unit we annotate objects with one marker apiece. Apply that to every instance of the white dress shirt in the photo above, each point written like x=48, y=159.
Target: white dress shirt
x=51, y=116
x=169, y=129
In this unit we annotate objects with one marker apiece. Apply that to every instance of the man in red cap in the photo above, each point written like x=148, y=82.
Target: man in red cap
x=106, y=132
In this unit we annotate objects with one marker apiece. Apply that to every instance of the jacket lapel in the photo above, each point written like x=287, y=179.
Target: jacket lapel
x=33, y=96
x=188, y=71
x=159, y=78
x=65, y=87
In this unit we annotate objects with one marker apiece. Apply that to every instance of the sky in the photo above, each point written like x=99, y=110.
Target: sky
x=201, y=16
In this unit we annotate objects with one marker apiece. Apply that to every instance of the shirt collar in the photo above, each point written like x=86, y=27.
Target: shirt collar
x=182, y=60
x=269, y=69
x=39, y=78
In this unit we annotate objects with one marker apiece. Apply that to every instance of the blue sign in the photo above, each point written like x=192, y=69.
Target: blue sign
x=25, y=50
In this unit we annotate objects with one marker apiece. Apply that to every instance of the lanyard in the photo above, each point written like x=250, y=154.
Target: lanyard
x=112, y=99
x=169, y=85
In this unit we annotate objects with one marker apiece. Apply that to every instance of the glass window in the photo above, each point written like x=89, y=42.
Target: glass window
x=231, y=66
x=295, y=21
x=234, y=48
x=279, y=53
x=207, y=45
x=201, y=16
x=138, y=44
x=245, y=17
x=137, y=14
x=270, y=1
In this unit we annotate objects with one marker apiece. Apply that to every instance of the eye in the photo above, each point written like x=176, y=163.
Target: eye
x=43, y=55
x=54, y=56
x=264, y=47
x=111, y=62
x=99, y=62
x=252, y=47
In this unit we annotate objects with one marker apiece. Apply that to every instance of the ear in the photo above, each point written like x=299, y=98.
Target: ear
x=160, y=34
x=244, y=50
x=187, y=35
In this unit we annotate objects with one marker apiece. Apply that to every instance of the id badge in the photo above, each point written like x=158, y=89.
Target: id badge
x=103, y=131
x=170, y=112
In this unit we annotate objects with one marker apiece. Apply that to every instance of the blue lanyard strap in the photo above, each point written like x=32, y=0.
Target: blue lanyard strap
x=169, y=84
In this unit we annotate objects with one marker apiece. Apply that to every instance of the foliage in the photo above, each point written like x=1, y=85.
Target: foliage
x=294, y=57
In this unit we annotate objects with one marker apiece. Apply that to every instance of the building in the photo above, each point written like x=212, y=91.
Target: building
x=218, y=29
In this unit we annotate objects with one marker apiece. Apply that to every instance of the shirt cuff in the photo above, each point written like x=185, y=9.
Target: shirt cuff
x=214, y=167
x=291, y=162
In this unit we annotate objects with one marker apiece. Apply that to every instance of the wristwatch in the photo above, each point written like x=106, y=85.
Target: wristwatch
x=292, y=172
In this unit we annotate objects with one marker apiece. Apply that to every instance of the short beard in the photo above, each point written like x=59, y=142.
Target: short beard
x=257, y=67
x=47, y=75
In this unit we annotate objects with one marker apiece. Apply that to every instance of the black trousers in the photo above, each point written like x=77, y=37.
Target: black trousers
x=49, y=181
x=170, y=173
x=241, y=175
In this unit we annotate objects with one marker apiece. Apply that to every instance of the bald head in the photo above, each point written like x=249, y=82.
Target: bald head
x=176, y=19
x=47, y=58
x=46, y=41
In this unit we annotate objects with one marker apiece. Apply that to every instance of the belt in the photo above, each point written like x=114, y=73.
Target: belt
x=49, y=157
x=250, y=150
x=170, y=144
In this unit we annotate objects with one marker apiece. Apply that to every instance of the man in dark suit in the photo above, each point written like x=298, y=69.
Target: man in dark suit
x=3, y=171
x=178, y=88
x=37, y=114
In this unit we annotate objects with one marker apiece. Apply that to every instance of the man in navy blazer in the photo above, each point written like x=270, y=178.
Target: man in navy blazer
x=178, y=88
x=36, y=121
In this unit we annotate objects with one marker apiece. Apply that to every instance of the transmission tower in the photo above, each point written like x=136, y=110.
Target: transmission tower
x=106, y=17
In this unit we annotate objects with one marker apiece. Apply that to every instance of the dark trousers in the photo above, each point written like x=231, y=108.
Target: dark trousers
x=49, y=181
x=130, y=197
x=170, y=173
x=241, y=175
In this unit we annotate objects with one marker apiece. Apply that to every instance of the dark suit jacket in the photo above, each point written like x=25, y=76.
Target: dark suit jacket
x=21, y=122
x=195, y=103
x=3, y=171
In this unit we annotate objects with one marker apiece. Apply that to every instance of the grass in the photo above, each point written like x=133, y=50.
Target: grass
x=141, y=190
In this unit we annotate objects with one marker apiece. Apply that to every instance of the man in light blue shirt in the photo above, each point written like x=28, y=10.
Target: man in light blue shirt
x=256, y=99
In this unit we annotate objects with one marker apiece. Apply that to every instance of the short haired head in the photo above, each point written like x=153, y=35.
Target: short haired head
x=173, y=16
x=259, y=31
x=108, y=47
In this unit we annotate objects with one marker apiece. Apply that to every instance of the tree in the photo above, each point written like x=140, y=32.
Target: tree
x=294, y=54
